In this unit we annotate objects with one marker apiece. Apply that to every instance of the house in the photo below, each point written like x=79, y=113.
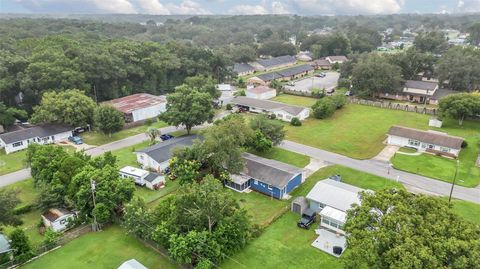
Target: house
x=336, y=59
x=322, y=64
x=270, y=177
x=295, y=72
x=439, y=94
x=261, y=92
x=4, y=244
x=264, y=79
x=156, y=157
x=57, y=219
x=142, y=177
x=225, y=87
x=243, y=69
x=419, y=91
x=275, y=63
x=282, y=111
x=139, y=106
x=41, y=134
x=132, y=264
x=304, y=56
x=425, y=141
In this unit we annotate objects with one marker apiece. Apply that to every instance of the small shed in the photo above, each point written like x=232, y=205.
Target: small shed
x=434, y=122
x=132, y=264
x=4, y=244
x=299, y=205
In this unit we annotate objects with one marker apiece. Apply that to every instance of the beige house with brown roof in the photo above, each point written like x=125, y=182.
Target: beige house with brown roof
x=425, y=141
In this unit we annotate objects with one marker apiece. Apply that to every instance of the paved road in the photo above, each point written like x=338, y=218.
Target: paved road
x=414, y=183
x=306, y=84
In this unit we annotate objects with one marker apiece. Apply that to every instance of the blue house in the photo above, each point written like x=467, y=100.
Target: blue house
x=270, y=177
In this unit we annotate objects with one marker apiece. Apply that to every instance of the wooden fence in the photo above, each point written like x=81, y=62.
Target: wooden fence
x=396, y=106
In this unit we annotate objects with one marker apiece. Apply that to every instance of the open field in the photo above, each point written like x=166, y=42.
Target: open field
x=106, y=249
x=98, y=138
x=285, y=156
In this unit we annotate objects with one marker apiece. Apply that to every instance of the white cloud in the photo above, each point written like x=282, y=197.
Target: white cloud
x=347, y=6
x=280, y=8
x=152, y=7
x=468, y=6
x=248, y=10
x=188, y=7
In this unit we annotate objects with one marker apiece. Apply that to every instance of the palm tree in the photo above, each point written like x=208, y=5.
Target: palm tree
x=152, y=133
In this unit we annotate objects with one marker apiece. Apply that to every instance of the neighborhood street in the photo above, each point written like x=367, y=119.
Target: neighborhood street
x=414, y=183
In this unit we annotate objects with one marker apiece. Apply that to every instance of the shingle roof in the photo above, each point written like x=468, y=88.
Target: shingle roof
x=163, y=151
x=440, y=93
x=321, y=62
x=269, y=76
x=272, y=172
x=292, y=71
x=260, y=89
x=424, y=85
x=151, y=177
x=430, y=137
x=129, y=103
x=277, y=61
x=336, y=194
x=37, y=131
x=267, y=105
x=242, y=67
x=338, y=58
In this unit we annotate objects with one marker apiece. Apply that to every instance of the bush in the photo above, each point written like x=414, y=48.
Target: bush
x=148, y=122
x=339, y=100
x=240, y=93
x=344, y=83
x=323, y=108
x=229, y=107
x=23, y=209
x=318, y=93
x=464, y=144
x=272, y=116
x=295, y=122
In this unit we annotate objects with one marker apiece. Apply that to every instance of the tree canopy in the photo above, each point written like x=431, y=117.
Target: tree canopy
x=108, y=119
x=8, y=115
x=461, y=68
x=459, y=106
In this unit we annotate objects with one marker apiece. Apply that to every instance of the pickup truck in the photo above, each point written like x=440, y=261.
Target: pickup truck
x=308, y=218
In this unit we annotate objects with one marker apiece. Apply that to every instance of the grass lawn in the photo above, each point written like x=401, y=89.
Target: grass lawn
x=285, y=156
x=407, y=150
x=106, y=249
x=126, y=156
x=282, y=245
x=295, y=100
x=11, y=162
x=98, y=138
x=151, y=195
x=468, y=210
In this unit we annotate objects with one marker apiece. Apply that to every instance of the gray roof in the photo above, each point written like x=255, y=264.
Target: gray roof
x=4, y=244
x=430, y=137
x=292, y=71
x=269, y=76
x=162, y=152
x=335, y=194
x=338, y=58
x=418, y=84
x=242, y=67
x=37, y=131
x=151, y=177
x=267, y=105
x=321, y=62
x=277, y=61
x=268, y=171
x=440, y=93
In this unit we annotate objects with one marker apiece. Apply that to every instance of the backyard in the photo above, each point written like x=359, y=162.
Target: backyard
x=295, y=100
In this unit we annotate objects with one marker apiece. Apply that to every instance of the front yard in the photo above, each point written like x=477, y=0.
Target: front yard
x=285, y=156
x=11, y=162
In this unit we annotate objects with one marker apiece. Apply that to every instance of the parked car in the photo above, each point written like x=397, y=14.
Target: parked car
x=80, y=130
x=77, y=140
x=320, y=75
x=348, y=93
x=166, y=137
x=290, y=84
x=308, y=217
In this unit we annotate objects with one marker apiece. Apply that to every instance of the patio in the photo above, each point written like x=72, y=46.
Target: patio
x=326, y=240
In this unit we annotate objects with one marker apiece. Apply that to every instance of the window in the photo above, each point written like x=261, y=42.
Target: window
x=63, y=221
x=289, y=117
x=270, y=187
x=424, y=145
x=445, y=149
x=413, y=142
x=430, y=146
x=255, y=182
x=17, y=144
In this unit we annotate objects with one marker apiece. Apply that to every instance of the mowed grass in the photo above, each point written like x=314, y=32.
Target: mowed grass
x=282, y=245
x=285, y=156
x=295, y=100
x=106, y=249
x=468, y=210
x=98, y=138
x=11, y=162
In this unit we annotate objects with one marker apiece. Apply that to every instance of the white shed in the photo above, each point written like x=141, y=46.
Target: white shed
x=142, y=177
x=57, y=218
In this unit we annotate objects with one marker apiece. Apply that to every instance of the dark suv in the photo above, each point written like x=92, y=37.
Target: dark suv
x=308, y=217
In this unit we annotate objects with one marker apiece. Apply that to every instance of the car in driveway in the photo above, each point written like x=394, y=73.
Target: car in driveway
x=321, y=75
x=77, y=140
x=166, y=137
x=308, y=218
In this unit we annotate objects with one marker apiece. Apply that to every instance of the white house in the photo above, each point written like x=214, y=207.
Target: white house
x=261, y=92
x=331, y=199
x=282, y=111
x=140, y=106
x=42, y=134
x=142, y=177
x=419, y=91
x=425, y=141
x=57, y=218
x=156, y=157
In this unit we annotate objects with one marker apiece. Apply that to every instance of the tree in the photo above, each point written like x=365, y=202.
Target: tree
x=434, y=42
x=70, y=107
x=339, y=100
x=373, y=75
x=8, y=115
x=459, y=106
x=277, y=48
x=188, y=107
x=412, y=62
x=474, y=31
x=396, y=229
x=460, y=76
x=271, y=129
x=184, y=170
x=152, y=133
x=295, y=122
x=137, y=219
x=260, y=142
x=108, y=119
x=204, y=84
x=22, y=251
x=323, y=108
x=8, y=202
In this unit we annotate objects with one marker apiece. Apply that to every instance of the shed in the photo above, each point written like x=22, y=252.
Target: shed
x=132, y=264
x=4, y=244
x=299, y=205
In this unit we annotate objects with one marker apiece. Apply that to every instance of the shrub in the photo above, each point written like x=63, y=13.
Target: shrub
x=318, y=93
x=272, y=116
x=323, y=108
x=23, y=209
x=344, y=83
x=229, y=107
x=295, y=122
x=339, y=100
x=148, y=122
x=464, y=144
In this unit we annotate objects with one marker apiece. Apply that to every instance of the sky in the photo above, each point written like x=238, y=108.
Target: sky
x=199, y=7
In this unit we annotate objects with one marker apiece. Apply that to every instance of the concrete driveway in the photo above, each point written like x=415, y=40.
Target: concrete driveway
x=386, y=154
x=306, y=84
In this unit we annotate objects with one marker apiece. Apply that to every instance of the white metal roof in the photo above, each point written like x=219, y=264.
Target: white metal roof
x=333, y=213
x=335, y=194
x=130, y=170
x=132, y=264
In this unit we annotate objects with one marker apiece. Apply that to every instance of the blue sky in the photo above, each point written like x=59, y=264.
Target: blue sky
x=301, y=7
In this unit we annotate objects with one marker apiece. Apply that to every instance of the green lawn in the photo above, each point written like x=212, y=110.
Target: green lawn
x=151, y=195
x=126, y=156
x=295, y=100
x=106, y=249
x=282, y=245
x=98, y=138
x=11, y=162
x=285, y=156
x=468, y=210
x=407, y=150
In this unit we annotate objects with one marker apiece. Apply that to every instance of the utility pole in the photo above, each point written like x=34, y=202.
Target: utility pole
x=453, y=183
x=95, y=92
x=95, y=226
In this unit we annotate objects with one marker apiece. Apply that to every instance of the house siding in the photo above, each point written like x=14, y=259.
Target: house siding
x=421, y=147
x=263, y=188
x=9, y=148
x=294, y=182
x=148, y=112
